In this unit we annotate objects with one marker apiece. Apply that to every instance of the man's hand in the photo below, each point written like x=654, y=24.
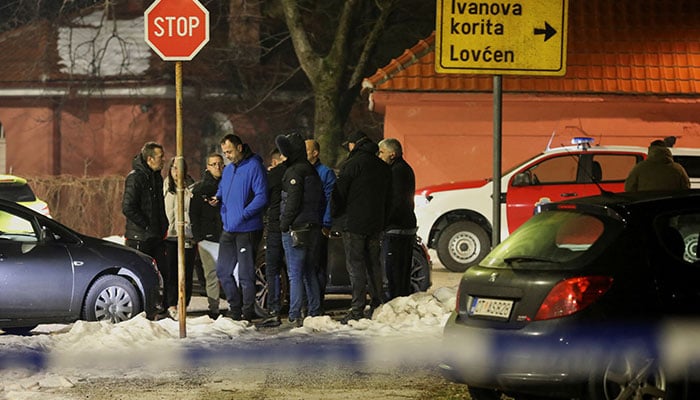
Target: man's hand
x=326, y=232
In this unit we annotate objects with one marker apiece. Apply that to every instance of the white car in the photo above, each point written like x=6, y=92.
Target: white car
x=455, y=218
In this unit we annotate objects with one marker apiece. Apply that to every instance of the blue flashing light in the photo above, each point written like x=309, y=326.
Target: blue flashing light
x=583, y=142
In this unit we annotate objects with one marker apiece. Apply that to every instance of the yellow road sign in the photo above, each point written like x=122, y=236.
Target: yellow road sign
x=526, y=37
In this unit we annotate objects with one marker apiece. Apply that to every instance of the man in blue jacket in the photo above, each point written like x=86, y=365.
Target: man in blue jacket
x=243, y=197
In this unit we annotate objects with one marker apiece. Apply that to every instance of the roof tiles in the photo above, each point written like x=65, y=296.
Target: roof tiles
x=620, y=47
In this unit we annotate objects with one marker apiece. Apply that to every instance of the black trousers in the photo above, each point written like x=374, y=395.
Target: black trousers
x=397, y=253
x=362, y=254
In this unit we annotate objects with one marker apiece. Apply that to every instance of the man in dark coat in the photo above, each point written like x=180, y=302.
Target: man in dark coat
x=143, y=204
x=274, y=253
x=657, y=172
x=205, y=217
x=361, y=198
x=301, y=214
x=400, y=233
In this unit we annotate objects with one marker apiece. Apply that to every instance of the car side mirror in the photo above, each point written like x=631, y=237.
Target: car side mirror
x=522, y=179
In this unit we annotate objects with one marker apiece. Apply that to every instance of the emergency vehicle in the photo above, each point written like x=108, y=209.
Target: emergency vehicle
x=455, y=218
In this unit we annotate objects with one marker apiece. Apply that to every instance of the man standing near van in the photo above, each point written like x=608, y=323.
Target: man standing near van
x=657, y=172
x=400, y=233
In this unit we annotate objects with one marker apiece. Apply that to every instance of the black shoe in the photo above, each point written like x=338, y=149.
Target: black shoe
x=297, y=323
x=250, y=316
x=213, y=315
x=236, y=316
x=269, y=322
x=351, y=316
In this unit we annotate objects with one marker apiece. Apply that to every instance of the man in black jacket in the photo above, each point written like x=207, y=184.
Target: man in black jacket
x=361, y=198
x=205, y=217
x=301, y=212
x=400, y=233
x=143, y=204
x=274, y=253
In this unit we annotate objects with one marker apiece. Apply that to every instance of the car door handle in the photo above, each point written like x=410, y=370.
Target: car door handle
x=569, y=194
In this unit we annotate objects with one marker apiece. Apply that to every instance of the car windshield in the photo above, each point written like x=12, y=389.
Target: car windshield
x=552, y=240
x=16, y=193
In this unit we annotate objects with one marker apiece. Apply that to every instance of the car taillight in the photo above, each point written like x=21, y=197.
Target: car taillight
x=573, y=295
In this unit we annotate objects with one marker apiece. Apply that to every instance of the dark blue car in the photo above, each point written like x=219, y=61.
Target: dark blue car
x=52, y=274
x=592, y=298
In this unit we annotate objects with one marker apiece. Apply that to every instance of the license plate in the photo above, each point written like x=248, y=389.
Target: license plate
x=491, y=307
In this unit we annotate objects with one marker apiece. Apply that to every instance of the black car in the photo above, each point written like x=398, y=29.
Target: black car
x=578, y=303
x=338, y=280
x=52, y=274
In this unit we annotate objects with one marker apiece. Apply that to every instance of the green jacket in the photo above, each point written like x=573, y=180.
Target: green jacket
x=657, y=172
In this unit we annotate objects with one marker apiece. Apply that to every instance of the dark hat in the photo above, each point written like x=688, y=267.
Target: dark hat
x=290, y=144
x=354, y=137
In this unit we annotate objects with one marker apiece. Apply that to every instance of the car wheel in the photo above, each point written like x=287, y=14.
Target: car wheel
x=261, y=287
x=484, y=394
x=112, y=298
x=420, y=270
x=625, y=378
x=462, y=244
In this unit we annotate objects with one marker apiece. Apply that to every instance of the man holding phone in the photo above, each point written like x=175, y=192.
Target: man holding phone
x=205, y=217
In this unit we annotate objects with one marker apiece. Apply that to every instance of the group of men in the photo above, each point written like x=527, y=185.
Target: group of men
x=298, y=200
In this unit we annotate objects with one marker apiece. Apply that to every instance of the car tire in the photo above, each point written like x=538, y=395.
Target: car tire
x=261, y=288
x=112, y=298
x=644, y=376
x=420, y=270
x=462, y=244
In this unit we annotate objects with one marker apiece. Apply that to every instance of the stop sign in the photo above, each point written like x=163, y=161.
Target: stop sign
x=176, y=29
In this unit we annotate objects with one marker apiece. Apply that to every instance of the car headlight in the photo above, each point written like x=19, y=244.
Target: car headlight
x=420, y=200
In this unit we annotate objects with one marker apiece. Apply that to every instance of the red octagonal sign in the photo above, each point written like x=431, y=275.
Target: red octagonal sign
x=176, y=29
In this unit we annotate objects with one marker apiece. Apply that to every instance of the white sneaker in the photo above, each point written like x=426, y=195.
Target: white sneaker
x=172, y=312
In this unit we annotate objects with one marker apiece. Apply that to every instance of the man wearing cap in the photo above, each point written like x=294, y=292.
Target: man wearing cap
x=361, y=199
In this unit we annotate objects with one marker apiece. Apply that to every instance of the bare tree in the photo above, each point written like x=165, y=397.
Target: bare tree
x=335, y=68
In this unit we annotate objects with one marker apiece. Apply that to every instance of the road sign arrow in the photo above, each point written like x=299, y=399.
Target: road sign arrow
x=548, y=31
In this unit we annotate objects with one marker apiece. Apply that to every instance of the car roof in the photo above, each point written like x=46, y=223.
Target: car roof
x=12, y=179
x=627, y=149
x=625, y=202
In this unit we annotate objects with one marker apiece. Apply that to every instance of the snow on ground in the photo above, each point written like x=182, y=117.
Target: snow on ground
x=55, y=356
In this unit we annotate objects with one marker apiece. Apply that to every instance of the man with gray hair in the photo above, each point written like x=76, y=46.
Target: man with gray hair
x=400, y=232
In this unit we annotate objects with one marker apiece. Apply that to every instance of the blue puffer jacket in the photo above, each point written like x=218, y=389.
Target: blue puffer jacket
x=243, y=194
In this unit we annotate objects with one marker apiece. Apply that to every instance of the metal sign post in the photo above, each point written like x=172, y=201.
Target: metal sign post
x=176, y=30
x=496, y=37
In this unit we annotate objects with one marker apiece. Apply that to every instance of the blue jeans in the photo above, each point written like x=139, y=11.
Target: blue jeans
x=238, y=248
x=274, y=257
x=302, y=274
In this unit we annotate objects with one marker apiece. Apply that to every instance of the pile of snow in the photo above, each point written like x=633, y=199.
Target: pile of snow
x=144, y=345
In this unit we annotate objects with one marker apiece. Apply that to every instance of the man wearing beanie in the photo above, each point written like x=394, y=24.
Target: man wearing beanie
x=301, y=212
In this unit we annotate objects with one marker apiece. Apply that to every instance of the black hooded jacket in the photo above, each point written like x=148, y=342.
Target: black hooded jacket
x=205, y=218
x=143, y=204
x=303, y=201
x=274, y=196
x=362, y=192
